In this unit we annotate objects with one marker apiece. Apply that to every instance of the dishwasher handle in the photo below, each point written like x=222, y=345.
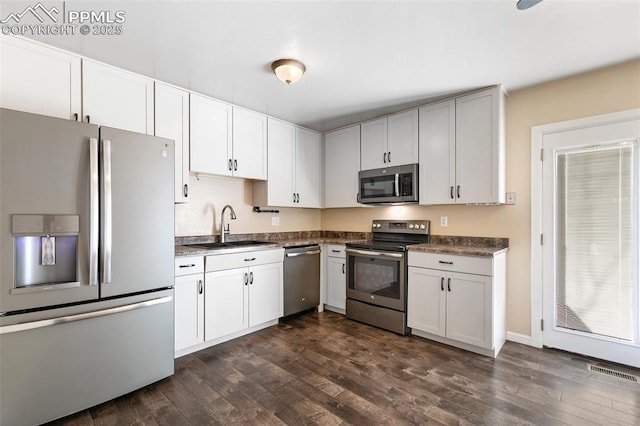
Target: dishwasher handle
x=304, y=253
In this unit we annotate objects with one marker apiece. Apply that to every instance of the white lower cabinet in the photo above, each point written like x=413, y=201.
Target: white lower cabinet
x=336, y=279
x=242, y=290
x=459, y=300
x=189, y=302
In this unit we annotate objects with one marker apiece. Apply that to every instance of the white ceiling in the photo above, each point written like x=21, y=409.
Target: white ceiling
x=363, y=58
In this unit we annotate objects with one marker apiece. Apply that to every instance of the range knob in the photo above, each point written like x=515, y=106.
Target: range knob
x=411, y=226
x=423, y=226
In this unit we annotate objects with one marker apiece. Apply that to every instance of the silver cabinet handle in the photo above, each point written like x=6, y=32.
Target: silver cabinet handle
x=304, y=253
x=230, y=165
x=250, y=277
x=246, y=278
x=85, y=316
x=444, y=262
x=107, y=217
x=185, y=191
x=94, y=213
x=200, y=287
x=374, y=253
x=235, y=165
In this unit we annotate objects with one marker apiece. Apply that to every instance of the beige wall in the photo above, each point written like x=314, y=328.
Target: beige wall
x=611, y=89
x=607, y=90
x=201, y=215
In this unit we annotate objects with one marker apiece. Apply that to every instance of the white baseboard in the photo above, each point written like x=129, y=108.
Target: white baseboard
x=519, y=338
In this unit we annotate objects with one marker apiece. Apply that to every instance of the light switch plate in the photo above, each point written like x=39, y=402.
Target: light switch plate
x=444, y=221
x=275, y=221
x=511, y=198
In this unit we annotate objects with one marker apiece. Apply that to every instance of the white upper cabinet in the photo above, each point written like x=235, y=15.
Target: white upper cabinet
x=172, y=122
x=117, y=98
x=480, y=147
x=249, y=144
x=402, y=140
x=39, y=79
x=341, y=167
x=462, y=150
x=211, y=131
x=374, y=144
x=437, y=172
x=390, y=141
x=308, y=176
x=294, y=172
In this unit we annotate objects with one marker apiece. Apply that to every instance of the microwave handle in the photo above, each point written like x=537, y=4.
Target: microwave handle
x=397, y=184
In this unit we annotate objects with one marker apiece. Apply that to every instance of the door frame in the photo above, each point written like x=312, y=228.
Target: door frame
x=537, y=136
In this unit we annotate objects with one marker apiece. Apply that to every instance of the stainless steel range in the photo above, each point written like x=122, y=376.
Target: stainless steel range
x=377, y=273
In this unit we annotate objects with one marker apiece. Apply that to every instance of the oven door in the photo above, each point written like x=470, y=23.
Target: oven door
x=377, y=277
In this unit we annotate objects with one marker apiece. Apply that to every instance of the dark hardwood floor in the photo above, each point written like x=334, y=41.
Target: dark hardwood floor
x=324, y=369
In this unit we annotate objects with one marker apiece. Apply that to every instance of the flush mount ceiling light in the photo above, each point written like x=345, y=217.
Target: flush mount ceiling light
x=288, y=70
x=526, y=4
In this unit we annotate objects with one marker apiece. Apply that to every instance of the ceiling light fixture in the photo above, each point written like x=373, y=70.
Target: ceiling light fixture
x=526, y=4
x=288, y=70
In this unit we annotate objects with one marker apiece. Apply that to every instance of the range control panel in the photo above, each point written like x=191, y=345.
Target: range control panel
x=401, y=226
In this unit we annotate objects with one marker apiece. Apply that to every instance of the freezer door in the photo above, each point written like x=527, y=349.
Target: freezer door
x=45, y=189
x=137, y=220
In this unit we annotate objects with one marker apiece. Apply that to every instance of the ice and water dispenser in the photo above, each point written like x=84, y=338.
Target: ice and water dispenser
x=45, y=251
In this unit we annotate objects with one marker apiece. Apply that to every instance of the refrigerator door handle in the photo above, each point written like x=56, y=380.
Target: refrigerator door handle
x=7, y=329
x=94, y=212
x=107, y=219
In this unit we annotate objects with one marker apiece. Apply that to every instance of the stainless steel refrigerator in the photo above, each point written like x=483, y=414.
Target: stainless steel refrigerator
x=86, y=265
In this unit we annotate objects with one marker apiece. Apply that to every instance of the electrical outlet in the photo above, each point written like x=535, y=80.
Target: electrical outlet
x=275, y=221
x=511, y=198
x=444, y=221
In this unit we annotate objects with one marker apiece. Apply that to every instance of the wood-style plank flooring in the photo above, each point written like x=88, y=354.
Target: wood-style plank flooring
x=324, y=369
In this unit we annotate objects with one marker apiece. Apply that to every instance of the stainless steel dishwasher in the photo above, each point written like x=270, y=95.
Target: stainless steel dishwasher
x=301, y=278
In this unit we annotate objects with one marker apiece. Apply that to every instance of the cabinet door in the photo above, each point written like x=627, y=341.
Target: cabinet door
x=211, y=123
x=117, y=98
x=373, y=144
x=308, y=159
x=39, y=79
x=172, y=122
x=402, y=138
x=280, y=171
x=189, y=310
x=438, y=153
x=426, y=301
x=225, y=310
x=249, y=144
x=337, y=284
x=478, y=148
x=469, y=309
x=341, y=167
x=265, y=293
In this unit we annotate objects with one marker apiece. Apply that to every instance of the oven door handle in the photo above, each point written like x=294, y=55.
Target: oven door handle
x=374, y=253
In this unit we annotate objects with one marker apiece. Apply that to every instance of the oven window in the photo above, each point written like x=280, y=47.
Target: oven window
x=378, y=187
x=378, y=277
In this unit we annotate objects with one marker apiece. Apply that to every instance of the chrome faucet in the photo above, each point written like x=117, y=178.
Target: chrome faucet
x=224, y=230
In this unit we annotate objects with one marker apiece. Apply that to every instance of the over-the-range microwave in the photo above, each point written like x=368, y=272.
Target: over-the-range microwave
x=390, y=185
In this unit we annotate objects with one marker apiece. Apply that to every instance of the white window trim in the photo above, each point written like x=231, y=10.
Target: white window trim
x=537, y=135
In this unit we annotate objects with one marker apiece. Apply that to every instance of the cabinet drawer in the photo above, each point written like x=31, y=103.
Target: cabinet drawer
x=451, y=262
x=189, y=265
x=334, y=250
x=220, y=262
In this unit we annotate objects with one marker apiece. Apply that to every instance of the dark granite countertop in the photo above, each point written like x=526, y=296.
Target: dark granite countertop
x=465, y=246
